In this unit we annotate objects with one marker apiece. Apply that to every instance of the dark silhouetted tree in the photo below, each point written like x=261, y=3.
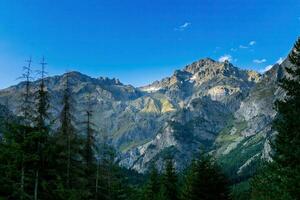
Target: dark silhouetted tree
x=153, y=186
x=205, y=180
x=90, y=148
x=169, y=182
x=40, y=136
x=280, y=179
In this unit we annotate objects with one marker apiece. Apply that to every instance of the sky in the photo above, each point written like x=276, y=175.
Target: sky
x=140, y=41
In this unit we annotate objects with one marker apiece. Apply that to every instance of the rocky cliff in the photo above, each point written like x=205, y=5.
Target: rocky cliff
x=210, y=104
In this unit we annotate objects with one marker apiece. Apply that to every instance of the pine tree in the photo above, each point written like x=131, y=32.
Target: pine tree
x=26, y=112
x=111, y=182
x=169, y=182
x=205, y=180
x=287, y=141
x=152, y=189
x=40, y=136
x=281, y=178
x=89, y=147
x=16, y=146
x=12, y=160
x=67, y=129
x=69, y=147
x=26, y=104
x=106, y=177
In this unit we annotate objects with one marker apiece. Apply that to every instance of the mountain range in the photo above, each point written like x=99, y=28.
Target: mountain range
x=207, y=104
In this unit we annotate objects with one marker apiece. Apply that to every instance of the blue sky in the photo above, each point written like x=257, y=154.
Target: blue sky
x=140, y=41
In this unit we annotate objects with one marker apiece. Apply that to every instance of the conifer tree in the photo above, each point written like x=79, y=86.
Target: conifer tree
x=40, y=136
x=67, y=129
x=152, y=189
x=89, y=147
x=26, y=104
x=69, y=147
x=281, y=178
x=109, y=176
x=205, y=181
x=15, y=147
x=26, y=112
x=287, y=141
x=170, y=182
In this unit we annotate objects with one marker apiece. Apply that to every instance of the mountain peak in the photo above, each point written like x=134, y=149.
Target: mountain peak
x=113, y=81
x=83, y=77
x=208, y=65
x=73, y=73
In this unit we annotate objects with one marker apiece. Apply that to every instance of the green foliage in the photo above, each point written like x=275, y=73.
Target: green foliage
x=241, y=191
x=281, y=178
x=14, y=151
x=205, y=180
x=169, y=182
x=276, y=182
x=153, y=187
x=247, y=148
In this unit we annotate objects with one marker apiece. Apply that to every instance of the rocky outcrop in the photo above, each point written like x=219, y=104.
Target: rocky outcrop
x=250, y=130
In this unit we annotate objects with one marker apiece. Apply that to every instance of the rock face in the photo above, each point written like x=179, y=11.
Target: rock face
x=207, y=103
x=246, y=138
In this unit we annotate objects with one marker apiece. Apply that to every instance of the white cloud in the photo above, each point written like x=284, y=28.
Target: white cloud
x=251, y=43
x=267, y=68
x=279, y=61
x=186, y=24
x=243, y=47
x=183, y=27
x=233, y=49
x=259, y=61
x=225, y=57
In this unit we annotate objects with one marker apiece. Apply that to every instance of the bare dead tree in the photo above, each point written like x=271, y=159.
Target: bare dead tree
x=26, y=111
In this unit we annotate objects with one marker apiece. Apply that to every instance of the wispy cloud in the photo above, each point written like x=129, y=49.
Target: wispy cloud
x=267, y=68
x=226, y=57
x=233, y=49
x=184, y=26
x=251, y=43
x=279, y=61
x=243, y=47
x=257, y=61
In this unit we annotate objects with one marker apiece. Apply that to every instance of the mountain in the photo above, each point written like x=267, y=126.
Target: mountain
x=246, y=138
x=206, y=104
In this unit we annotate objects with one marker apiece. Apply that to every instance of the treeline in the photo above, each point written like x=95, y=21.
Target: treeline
x=47, y=157
x=202, y=180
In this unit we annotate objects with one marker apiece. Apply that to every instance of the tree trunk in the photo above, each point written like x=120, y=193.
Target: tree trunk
x=36, y=184
x=97, y=178
x=69, y=160
x=22, y=179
